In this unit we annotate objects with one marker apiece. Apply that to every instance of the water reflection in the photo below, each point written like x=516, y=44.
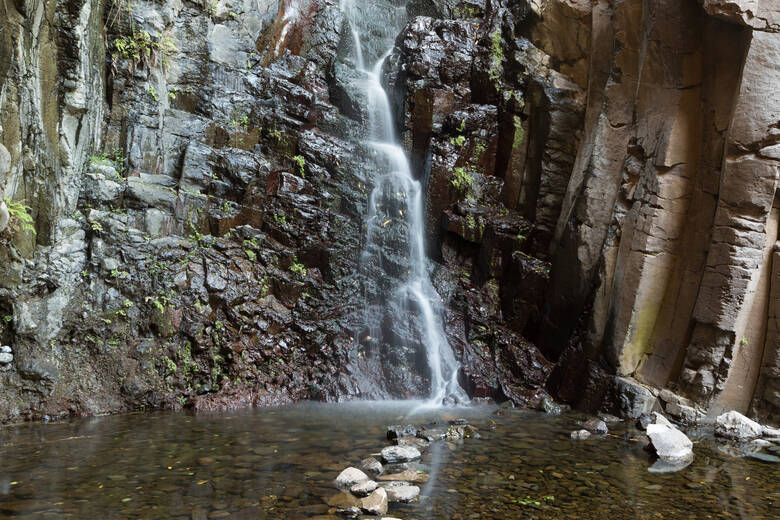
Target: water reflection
x=280, y=463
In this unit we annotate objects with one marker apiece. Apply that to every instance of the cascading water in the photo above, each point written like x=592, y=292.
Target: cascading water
x=398, y=195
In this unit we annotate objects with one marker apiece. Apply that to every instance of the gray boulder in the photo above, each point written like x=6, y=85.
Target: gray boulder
x=671, y=445
x=734, y=425
x=394, y=454
x=349, y=477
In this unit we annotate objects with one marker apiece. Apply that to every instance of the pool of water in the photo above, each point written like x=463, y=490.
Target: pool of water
x=280, y=463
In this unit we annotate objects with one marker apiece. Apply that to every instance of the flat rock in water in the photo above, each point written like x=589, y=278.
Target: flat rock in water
x=349, y=477
x=393, y=454
x=596, y=425
x=671, y=445
x=734, y=425
x=580, y=434
x=371, y=465
x=402, y=493
x=343, y=499
x=764, y=457
x=408, y=475
x=375, y=503
x=363, y=489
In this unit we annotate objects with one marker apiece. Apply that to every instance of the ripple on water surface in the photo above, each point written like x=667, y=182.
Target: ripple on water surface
x=280, y=463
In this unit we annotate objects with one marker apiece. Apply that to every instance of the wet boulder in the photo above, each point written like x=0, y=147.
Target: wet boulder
x=395, y=454
x=734, y=425
x=671, y=445
x=375, y=503
x=349, y=477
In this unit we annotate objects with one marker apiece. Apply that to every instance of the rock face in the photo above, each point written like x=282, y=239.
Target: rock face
x=598, y=187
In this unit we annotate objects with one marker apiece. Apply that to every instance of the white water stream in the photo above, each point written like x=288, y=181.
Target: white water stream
x=398, y=182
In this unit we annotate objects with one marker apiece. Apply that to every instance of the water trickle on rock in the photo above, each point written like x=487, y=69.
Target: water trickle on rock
x=396, y=202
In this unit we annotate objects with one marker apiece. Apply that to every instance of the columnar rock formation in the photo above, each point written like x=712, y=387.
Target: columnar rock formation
x=600, y=183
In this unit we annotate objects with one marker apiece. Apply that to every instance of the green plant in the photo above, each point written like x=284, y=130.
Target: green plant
x=298, y=268
x=470, y=222
x=461, y=180
x=300, y=162
x=153, y=93
x=142, y=49
x=96, y=226
x=212, y=7
x=19, y=218
x=743, y=341
x=280, y=219
x=458, y=141
x=250, y=254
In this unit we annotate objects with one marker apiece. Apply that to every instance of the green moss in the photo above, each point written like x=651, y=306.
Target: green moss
x=519, y=133
x=497, y=52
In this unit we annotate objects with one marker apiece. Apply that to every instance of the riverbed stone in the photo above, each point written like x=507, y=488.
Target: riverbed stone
x=671, y=445
x=364, y=488
x=734, y=425
x=397, y=431
x=580, y=434
x=402, y=493
x=596, y=425
x=409, y=475
x=372, y=465
x=349, y=477
x=375, y=503
x=395, y=454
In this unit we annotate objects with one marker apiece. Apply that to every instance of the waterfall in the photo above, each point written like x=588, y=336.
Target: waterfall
x=397, y=194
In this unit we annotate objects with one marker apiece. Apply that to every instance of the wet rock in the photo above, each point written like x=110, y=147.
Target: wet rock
x=549, y=406
x=670, y=444
x=343, y=500
x=646, y=419
x=420, y=444
x=596, y=425
x=764, y=457
x=394, y=432
x=409, y=475
x=375, y=503
x=364, y=488
x=395, y=454
x=402, y=493
x=431, y=434
x=580, y=434
x=371, y=465
x=6, y=355
x=350, y=477
x=734, y=425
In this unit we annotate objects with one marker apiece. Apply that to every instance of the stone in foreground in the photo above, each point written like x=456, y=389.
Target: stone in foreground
x=408, y=475
x=402, y=493
x=671, y=445
x=371, y=465
x=363, y=489
x=375, y=503
x=394, y=454
x=349, y=477
x=580, y=434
